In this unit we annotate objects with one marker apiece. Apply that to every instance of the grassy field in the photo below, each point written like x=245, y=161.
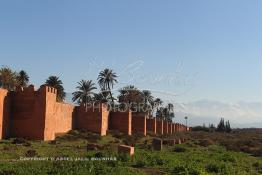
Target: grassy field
x=238, y=153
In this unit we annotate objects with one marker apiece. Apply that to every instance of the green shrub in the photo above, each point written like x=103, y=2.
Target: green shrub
x=179, y=169
x=31, y=153
x=21, y=141
x=212, y=168
x=258, y=152
x=7, y=172
x=227, y=157
x=130, y=140
x=194, y=172
x=200, y=128
x=140, y=164
x=123, y=157
x=112, y=163
x=159, y=161
x=205, y=142
x=258, y=166
x=179, y=149
x=99, y=154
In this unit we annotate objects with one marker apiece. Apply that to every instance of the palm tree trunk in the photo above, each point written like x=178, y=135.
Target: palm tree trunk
x=111, y=96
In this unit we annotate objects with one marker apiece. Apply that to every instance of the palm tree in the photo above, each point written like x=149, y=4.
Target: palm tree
x=158, y=102
x=170, y=112
x=148, y=99
x=160, y=113
x=84, y=93
x=155, y=104
x=166, y=113
x=106, y=80
x=170, y=115
x=147, y=95
x=55, y=82
x=22, y=78
x=103, y=97
x=8, y=78
x=130, y=95
x=170, y=107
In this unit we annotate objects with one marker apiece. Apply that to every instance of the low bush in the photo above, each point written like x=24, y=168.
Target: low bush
x=31, y=153
x=258, y=152
x=18, y=141
x=179, y=169
x=212, y=168
x=140, y=164
x=205, y=142
x=227, y=157
x=258, y=166
x=130, y=141
x=7, y=172
x=123, y=157
x=179, y=149
x=200, y=128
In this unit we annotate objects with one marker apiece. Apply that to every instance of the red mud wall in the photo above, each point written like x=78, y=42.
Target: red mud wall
x=93, y=119
x=37, y=115
x=174, y=128
x=165, y=127
x=151, y=125
x=27, y=113
x=59, y=117
x=64, y=114
x=138, y=123
x=183, y=128
x=177, y=127
x=170, y=128
x=4, y=114
x=121, y=121
x=159, y=127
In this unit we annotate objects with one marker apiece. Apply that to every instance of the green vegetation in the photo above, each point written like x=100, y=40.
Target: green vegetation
x=10, y=79
x=129, y=96
x=240, y=140
x=197, y=157
x=22, y=79
x=106, y=80
x=222, y=126
x=84, y=93
x=225, y=152
x=166, y=113
x=55, y=82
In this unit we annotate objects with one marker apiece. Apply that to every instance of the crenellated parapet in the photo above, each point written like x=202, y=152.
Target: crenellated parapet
x=47, y=89
x=36, y=114
x=31, y=91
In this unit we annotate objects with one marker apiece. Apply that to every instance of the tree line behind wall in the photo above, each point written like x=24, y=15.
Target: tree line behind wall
x=223, y=127
x=136, y=99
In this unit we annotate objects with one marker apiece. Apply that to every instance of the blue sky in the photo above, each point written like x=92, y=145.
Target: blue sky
x=195, y=49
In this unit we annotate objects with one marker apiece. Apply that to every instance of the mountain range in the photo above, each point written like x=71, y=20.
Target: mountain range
x=241, y=114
